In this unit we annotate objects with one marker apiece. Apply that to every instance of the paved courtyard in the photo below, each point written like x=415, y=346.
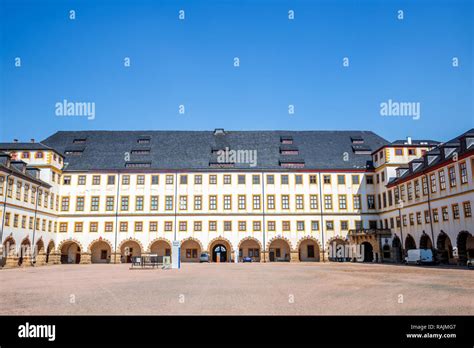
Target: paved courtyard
x=282, y=288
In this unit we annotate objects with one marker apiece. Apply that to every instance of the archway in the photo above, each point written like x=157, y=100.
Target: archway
x=250, y=247
x=337, y=250
x=160, y=247
x=70, y=252
x=129, y=249
x=445, y=248
x=409, y=243
x=25, y=251
x=368, y=252
x=279, y=250
x=220, y=250
x=190, y=250
x=308, y=250
x=465, y=244
x=396, y=249
x=49, y=250
x=9, y=250
x=425, y=242
x=101, y=251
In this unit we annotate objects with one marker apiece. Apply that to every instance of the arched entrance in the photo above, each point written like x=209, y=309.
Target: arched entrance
x=337, y=250
x=445, y=248
x=465, y=244
x=308, y=250
x=368, y=251
x=396, y=249
x=101, y=252
x=70, y=252
x=250, y=248
x=129, y=249
x=160, y=248
x=425, y=242
x=409, y=243
x=279, y=250
x=220, y=250
x=9, y=251
x=49, y=250
x=190, y=250
x=25, y=252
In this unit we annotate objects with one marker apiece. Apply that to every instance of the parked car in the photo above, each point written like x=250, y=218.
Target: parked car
x=204, y=257
x=247, y=259
x=470, y=263
x=419, y=256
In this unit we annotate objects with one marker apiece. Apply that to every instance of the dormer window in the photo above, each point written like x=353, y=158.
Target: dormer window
x=73, y=152
x=141, y=152
x=138, y=165
x=79, y=141
x=357, y=140
x=143, y=140
x=286, y=139
x=411, y=152
x=219, y=131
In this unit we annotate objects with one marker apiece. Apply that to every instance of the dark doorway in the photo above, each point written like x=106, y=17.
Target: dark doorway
x=368, y=252
x=397, y=249
x=219, y=251
x=272, y=255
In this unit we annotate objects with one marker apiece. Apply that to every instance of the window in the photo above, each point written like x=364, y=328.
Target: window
x=435, y=215
x=369, y=179
x=139, y=203
x=313, y=179
x=227, y=202
x=409, y=192
x=155, y=179
x=314, y=225
x=183, y=179
x=169, y=180
x=110, y=179
x=78, y=227
x=299, y=179
x=109, y=203
x=124, y=203
x=93, y=227
x=371, y=201
x=342, y=202
x=356, y=201
x=126, y=180
x=270, y=179
x=65, y=204
x=424, y=184
x=154, y=203
x=256, y=179
x=257, y=226
x=299, y=202
x=81, y=180
x=442, y=180
x=300, y=225
x=197, y=226
x=463, y=171
x=109, y=226
x=95, y=203
x=328, y=202
x=433, y=183
x=341, y=179
x=213, y=179
x=285, y=202
x=398, y=152
x=313, y=201
x=271, y=226
x=197, y=202
x=455, y=208
x=168, y=226
x=284, y=179
x=7, y=219
x=227, y=179
x=153, y=226
x=183, y=202
x=197, y=179
x=330, y=225
x=444, y=213
x=213, y=202
x=271, y=202
x=140, y=179
x=467, y=209
x=285, y=226
x=62, y=227
x=417, y=189
x=327, y=179
x=168, y=202
x=241, y=179
x=344, y=225
x=418, y=218
x=452, y=176
x=256, y=202
x=411, y=152
x=66, y=180
x=79, y=203
x=96, y=180
x=355, y=180
x=138, y=226
x=123, y=226
x=227, y=226
x=212, y=225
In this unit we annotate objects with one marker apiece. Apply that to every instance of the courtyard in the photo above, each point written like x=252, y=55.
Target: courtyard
x=238, y=289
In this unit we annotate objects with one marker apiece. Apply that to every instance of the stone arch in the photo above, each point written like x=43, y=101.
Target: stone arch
x=368, y=251
x=25, y=252
x=70, y=240
x=247, y=250
x=39, y=246
x=397, y=249
x=157, y=240
x=98, y=255
x=465, y=245
x=409, y=242
x=49, y=250
x=308, y=254
x=226, y=244
x=279, y=252
x=444, y=248
x=10, y=245
x=425, y=241
x=187, y=254
x=70, y=250
x=333, y=249
x=127, y=254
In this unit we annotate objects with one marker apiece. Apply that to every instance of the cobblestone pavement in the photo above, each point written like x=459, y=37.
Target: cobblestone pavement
x=276, y=288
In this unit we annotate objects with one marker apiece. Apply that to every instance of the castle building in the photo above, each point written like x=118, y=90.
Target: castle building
x=106, y=196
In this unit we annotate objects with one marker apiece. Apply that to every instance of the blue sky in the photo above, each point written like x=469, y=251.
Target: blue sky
x=282, y=62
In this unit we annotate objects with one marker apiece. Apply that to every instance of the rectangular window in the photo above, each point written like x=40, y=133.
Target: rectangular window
x=285, y=202
x=467, y=209
x=341, y=179
x=168, y=202
x=327, y=179
x=93, y=227
x=256, y=202
x=213, y=179
x=369, y=179
x=344, y=225
x=330, y=225
x=284, y=179
x=445, y=214
x=96, y=180
x=138, y=226
x=455, y=208
x=328, y=202
x=153, y=226
x=78, y=227
x=227, y=202
x=197, y=226
x=299, y=202
x=183, y=202
x=227, y=226
x=285, y=226
x=109, y=203
x=197, y=202
x=442, y=180
x=270, y=179
x=197, y=179
x=298, y=179
x=271, y=202
x=168, y=226
x=342, y=202
x=417, y=189
x=433, y=183
x=424, y=184
x=65, y=204
x=256, y=179
x=313, y=201
x=213, y=202
x=154, y=203
x=313, y=179
x=183, y=179
x=371, y=201
x=123, y=226
x=452, y=176
x=418, y=218
x=110, y=179
x=109, y=227
x=227, y=179
x=427, y=217
x=62, y=227
x=140, y=179
x=241, y=179
x=300, y=225
x=79, y=203
x=126, y=180
x=355, y=180
x=463, y=171
x=95, y=203
x=356, y=201
x=139, y=203
x=155, y=179
x=435, y=215
x=314, y=225
x=67, y=180
x=212, y=226
x=271, y=226
x=169, y=180
x=124, y=203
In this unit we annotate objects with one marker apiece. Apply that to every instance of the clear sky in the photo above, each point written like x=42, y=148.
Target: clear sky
x=191, y=62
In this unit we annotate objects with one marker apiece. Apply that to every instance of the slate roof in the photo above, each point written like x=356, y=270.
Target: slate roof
x=23, y=146
x=193, y=150
x=415, y=142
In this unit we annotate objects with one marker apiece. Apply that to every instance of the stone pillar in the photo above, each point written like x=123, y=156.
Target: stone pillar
x=11, y=261
x=264, y=256
x=294, y=256
x=323, y=256
x=116, y=258
x=26, y=261
x=85, y=258
x=54, y=258
x=40, y=259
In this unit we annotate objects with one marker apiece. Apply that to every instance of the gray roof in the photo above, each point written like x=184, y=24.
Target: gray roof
x=415, y=142
x=23, y=146
x=196, y=150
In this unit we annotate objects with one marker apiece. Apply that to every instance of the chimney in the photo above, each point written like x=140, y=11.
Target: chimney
x=409, y=140
x=15, y=140
x=32, y=140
